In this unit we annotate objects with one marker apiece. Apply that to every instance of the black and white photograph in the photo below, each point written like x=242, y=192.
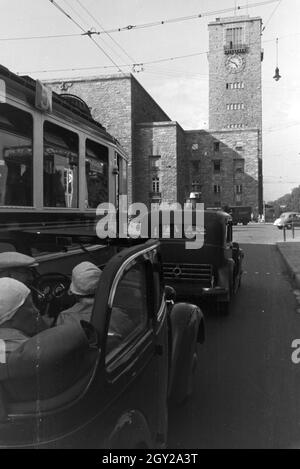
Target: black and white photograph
x=149, y=227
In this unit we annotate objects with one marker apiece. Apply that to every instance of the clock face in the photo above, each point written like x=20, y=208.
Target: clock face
x=235, y=63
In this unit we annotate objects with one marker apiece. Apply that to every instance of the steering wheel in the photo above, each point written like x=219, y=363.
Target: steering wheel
x=50, y=293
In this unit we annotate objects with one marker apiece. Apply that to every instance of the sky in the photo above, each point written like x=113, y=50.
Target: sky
x=180, y=86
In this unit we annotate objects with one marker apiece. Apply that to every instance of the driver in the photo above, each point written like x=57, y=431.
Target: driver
x=85, y=279
x=18, y=266
x=19, y=319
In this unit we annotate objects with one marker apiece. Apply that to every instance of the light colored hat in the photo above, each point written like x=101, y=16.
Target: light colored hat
x=9, y=260
x=13, y=295
x=85, y=278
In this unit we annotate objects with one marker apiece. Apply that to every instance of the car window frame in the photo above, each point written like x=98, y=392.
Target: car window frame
x=117, y=358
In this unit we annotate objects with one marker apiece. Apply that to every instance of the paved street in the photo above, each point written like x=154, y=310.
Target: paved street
x=247, y=388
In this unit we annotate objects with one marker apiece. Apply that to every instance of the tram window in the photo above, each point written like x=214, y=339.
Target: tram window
x=60, y=167
x=96, y=164
x=16, y=135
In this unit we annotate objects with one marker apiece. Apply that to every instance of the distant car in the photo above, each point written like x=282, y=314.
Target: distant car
x=287, y=220
x=107, y=383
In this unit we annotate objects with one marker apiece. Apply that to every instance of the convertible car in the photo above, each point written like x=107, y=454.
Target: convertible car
x=107, y=383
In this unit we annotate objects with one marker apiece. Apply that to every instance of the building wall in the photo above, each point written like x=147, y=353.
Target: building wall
x=118, y=103
x=200, y=146
x=167, y=141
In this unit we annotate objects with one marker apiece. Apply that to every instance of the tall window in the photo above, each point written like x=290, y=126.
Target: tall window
x=234, y=37
x=239, y=188
x=96, y=170
x=217, y=166
x=16, y=168
x=217, y=189
x=216, y=146
x=155, y=184
x=60, y=167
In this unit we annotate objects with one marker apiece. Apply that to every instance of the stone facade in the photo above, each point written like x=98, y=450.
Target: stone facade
x=235, y=109
x=228, y=160
x=161, y=155
x=120, y=104
x=237, y=82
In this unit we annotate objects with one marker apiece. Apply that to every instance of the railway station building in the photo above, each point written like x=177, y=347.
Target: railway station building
x=166, y=162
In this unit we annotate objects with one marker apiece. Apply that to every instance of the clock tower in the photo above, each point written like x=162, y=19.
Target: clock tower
x=230, y=166
x=235, y=55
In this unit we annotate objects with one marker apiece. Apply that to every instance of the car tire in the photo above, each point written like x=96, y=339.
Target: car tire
x=185, y=377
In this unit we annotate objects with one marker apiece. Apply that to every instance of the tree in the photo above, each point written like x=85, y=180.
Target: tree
x=287, y=203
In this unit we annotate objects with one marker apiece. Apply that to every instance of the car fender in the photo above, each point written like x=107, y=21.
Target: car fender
x=225, y=275
x=186, y=329
x=130, y=432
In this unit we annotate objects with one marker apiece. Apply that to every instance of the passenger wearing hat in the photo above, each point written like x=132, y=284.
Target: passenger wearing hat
x=18, y=266
x=85, y=278
x=19, y=319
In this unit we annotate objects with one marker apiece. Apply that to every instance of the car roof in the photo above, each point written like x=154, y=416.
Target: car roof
x=289, y=213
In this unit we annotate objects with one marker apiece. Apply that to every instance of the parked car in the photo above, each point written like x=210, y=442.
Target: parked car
x=287, y=220
x=212, y=272
x=96, y=385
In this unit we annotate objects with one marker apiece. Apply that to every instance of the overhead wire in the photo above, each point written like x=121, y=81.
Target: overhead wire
x=103, y=30
x=132, y=27
x=186, y=18
x=150, y=62
x=54, y=3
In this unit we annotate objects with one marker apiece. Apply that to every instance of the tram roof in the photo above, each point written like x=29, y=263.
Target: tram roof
x=59, y=102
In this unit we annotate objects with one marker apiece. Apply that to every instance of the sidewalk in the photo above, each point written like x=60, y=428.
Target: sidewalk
x=290, y=252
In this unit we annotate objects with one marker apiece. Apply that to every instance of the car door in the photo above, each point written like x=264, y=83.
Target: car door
x=132, y=391
x=296, y=220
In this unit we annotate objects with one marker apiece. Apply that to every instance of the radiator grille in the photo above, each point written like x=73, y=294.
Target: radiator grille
x=194, y=272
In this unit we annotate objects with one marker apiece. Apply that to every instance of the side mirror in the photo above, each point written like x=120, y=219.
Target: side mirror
x=170, y=294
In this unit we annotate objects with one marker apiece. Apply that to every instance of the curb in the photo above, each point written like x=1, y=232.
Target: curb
x=295, y=275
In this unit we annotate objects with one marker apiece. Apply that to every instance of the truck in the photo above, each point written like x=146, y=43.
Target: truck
x=239, y=213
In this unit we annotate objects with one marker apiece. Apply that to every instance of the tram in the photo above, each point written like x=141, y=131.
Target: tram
x=57, y=164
